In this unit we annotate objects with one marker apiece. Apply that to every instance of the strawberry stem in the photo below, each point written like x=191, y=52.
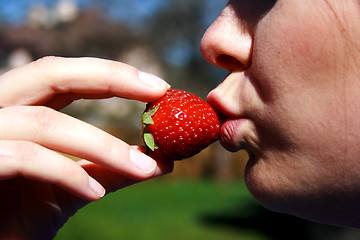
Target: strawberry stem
x=147, y=116
x=149, y=141
x=148, y=137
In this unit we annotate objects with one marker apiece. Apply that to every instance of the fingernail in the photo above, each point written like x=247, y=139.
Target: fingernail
x=96, y=187
x=142, y=161
x=152, y=80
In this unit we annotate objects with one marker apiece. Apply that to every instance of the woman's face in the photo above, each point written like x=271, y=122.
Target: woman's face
x=292, y=100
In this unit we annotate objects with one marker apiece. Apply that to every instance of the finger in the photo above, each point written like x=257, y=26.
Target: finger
x=37, y=82
x=112, y=181
x=19, y=158
x=60, y=132
x=163, y=167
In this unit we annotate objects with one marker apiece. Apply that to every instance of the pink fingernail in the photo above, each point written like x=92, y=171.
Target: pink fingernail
x=142, y=161
x=96, y=187
x=152, y=80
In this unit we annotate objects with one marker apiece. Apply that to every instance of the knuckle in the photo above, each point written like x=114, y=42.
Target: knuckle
x=107, y=145
x=17, y=157
x=70, y=175
x=45, y=119
x=69, y=171
x=70, y=168
x=113, y=68
x=25, y=152
x=45, y=62
x=113, y=152
x=28, y=157
x=116, y=70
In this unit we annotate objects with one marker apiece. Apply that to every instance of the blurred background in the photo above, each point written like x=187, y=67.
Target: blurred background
x=205, y=197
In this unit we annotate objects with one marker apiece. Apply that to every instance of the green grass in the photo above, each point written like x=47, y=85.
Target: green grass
x=164, y=210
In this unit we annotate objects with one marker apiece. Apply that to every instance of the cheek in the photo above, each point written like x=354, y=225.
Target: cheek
x=309, y=121
x=294, y=54
x=298, y=73
x=299, y=44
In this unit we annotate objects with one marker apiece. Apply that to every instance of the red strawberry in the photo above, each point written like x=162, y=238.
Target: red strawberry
x=179, y=125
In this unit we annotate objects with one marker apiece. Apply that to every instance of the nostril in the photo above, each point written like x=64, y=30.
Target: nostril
x=229, y=63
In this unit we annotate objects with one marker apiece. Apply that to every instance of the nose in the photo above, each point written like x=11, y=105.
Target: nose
x=228, y=44
x=228, y=41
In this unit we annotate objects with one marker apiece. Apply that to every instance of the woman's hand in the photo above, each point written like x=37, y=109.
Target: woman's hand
x=40, y=187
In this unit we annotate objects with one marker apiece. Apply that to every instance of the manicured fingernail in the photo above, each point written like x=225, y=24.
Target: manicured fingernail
x=152, y=80
x=96, y=187
x=142, y=161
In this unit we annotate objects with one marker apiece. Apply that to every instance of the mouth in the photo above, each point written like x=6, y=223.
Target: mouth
x=236, y=99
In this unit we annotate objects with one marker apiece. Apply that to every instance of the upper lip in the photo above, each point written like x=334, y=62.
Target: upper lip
x=234, y=96
x=237, y=126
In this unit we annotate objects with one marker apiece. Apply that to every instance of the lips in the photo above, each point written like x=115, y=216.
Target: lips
x=232, y=134
x=236, y=99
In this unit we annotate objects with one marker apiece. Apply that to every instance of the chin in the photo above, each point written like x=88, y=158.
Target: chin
x=286, y=193
x=262, y=185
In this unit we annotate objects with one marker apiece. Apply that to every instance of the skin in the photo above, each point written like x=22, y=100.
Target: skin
x=291, y=100
x=41, y=188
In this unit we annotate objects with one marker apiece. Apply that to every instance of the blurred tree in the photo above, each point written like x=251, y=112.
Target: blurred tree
x=89, y=35
x=172, y=29
x=175, y=32
x=165, y=40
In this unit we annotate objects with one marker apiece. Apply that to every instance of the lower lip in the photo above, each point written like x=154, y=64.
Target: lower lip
x=232, y=134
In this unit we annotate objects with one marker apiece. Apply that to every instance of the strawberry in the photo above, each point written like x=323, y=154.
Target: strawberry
x=179, y=125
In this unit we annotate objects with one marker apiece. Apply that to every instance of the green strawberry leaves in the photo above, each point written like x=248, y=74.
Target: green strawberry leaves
x=147, y=116
x=149, y=141
x=147, y=120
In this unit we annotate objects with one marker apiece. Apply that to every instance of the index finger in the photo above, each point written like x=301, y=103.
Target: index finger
x=38, y=82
